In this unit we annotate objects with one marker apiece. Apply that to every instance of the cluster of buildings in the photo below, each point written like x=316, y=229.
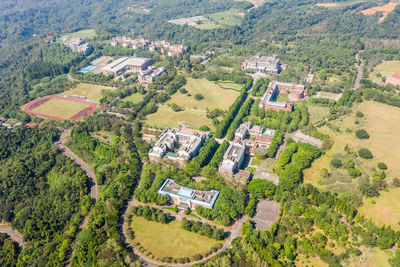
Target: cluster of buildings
x=186, y=197
x=263, y=64
x=178, y=145
x=269, y=100
x=142, y=66
x=79, y=45
x=393, y=79
x=165, y=47
x=248, y=139
x=8, y=123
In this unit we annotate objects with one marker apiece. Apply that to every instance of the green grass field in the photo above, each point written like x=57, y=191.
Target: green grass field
x=215, y=96
x=169, y=240
x=228, y=18
x=382, y=123
x=317, y=113
x=135, y=98
x=92, y=91
x=384, y=69
x=206, y=25
x=84, y=34
x=166, y=117
x=61, y=108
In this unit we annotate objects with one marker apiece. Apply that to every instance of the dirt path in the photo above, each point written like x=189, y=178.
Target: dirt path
x=94, y=188
x=14, y=235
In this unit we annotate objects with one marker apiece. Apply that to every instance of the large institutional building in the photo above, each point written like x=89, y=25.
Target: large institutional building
x=80, y=46
x=263, y=64
x=127, y=64
x=295, y=92
x=186, y=197
x=179, y=145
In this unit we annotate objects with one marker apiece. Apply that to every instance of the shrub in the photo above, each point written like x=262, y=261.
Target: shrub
x=365, y=153
x=204, y=128
x=198, y=97
x=396, y=182
x=359, y=114
x=382, y=166
x=362, y=134
x=183, y=90
x=337, y=163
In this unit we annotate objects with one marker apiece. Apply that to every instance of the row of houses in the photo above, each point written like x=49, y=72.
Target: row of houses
x=165, y=47
x=295, y=92
x=178, y=145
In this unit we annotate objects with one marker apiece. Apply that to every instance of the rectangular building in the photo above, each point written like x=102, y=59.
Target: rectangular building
x=186, y=142
x=186, y=197
x=127, y=64
x=263, y=64
x=149, y=75
x=233, y=158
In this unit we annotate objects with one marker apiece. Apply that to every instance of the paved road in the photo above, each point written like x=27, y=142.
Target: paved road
x=15, y=235
x=359, y=75
x=94, y=188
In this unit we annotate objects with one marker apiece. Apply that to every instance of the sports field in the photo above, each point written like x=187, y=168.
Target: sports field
x=91, y=91
x=384, y=69
x=215, y=95
x=60, y=108
x=166, y=117
x=169, y=240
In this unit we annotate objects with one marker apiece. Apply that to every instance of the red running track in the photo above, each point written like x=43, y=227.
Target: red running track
x=78, y=116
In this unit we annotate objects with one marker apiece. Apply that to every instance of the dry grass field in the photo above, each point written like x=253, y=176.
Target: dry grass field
x=166, y=117
x=91, y=91
x=169, y=240
x=326, y=4
x=384, y=69
x=84, y=34
x=61, y=108
x=385, y=9
x=215, y=95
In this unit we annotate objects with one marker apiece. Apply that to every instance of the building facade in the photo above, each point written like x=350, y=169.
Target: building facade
x=127, y=64
x=263, y=64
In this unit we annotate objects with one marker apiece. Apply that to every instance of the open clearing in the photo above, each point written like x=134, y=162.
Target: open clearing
x=326, y=4
x=135, y=98
x=169, y=240
x=229, y=17
x=385, y=211
x=215, y=96
x=166, y=117
x=382, y=123
x=84, y=34
x=384, y=69
x=386, y=9
x=60, y=108
x=317, y=113
x=91, y=91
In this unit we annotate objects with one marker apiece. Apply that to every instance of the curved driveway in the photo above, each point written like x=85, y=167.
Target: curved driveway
x=16, y=236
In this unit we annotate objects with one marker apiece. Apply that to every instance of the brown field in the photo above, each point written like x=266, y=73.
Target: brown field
x=386, y=9
x=92, y=91
x=326, y=4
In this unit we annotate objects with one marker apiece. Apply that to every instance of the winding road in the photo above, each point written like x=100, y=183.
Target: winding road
x=94, y=188
x=14, y=235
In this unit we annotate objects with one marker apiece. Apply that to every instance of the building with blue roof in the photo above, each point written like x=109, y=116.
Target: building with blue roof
x=186, y=197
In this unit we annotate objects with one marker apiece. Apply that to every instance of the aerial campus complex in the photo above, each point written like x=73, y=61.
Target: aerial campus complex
x=79, y=45
x=187, y=198
x=249, y=139
x=179, y=145
x=295, y=92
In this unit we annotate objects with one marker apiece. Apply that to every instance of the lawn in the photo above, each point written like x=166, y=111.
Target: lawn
x=257, y=162
x=166, y=117
x=382, y=123
x=384, y=69
x=84, y=34
x=229, y=17
x=169, y=240
x=61, y=108
x=317, y=113
x=215, y=96
x=135, y=98
x=91, y=91
x=206, y=25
